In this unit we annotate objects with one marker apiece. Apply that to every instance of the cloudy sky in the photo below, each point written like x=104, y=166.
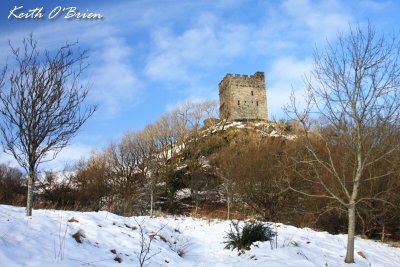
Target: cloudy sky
x=148, y=56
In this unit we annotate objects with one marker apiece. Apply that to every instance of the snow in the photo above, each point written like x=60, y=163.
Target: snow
x=169, y=153
x=183, y=193
x=45, y=239
x=261, y=127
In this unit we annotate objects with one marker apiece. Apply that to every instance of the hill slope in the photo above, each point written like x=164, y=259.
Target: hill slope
x=46, y=239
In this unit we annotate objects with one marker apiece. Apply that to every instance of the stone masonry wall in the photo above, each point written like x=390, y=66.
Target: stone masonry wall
x=243, y=97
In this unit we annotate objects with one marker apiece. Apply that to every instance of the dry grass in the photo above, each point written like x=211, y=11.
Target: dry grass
x=159, y=213
x=78, y=236
x=162, y=238
x=154, y=234
x=362, y=254
x=118, y=259
x=289, y=242
x=394, y=244
x=72, y=220
x=57, y=206
x=131, y=227
x=181, y=252
x=208, y=213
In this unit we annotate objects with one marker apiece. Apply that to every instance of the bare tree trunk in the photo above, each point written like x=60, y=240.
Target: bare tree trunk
x=196, y=202
x=151, y=202
x=31, y=189
x=229, y=207
x=350, y=233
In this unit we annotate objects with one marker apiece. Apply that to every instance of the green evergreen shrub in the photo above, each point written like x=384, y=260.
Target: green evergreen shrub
x=241, y=239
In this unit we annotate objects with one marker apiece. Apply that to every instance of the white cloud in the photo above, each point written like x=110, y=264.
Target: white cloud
x=114, y=82
x=288, y=36
x=69, y=155
x=8, y=160
x=321, y=20
x=375, y=5
x=210, y=42
x=112, y=78
x=172, y=106
x=286, y=76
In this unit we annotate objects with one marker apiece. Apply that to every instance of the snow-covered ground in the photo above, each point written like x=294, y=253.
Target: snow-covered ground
x=46, y=240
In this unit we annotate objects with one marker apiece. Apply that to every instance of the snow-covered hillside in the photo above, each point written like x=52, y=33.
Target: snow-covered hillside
x=46, y=239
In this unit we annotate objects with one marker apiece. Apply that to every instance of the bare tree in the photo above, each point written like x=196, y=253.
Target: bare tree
x=91, y=181
x=172, y=134
x=146, y=144
x=225, y=160
x=194, y=141
x=145, y=253
x=351, y=118
x=41, y=105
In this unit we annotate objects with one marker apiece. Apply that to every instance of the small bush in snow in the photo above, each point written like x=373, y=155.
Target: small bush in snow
x=78, y=236
x=118, y=259
x=241, y=239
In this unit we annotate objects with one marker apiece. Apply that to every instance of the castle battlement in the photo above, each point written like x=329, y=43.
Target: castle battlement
x=243, y=97
x=244, y=80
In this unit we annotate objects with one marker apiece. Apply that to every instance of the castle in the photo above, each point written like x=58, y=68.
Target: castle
x=243, y=97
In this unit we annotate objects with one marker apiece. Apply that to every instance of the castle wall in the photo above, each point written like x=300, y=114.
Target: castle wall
x=243, y=97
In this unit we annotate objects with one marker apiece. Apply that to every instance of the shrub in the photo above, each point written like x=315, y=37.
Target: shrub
x=78, y=236
x=118, y=259
x=241, y=239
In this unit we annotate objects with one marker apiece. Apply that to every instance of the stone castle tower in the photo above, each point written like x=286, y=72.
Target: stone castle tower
x=243, y=97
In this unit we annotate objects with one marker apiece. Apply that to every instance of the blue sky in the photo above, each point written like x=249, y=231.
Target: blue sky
x=148, y=56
